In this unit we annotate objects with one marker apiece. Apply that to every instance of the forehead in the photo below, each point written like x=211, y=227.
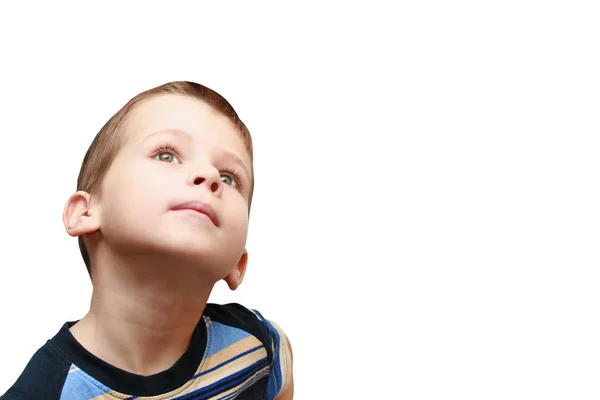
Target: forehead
x=208, y=127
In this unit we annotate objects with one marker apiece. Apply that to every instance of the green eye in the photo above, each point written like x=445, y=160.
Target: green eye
x=228, y=180
x=165, y=156
x=167, y=153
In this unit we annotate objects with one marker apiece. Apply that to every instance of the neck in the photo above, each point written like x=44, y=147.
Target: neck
x=143, y=312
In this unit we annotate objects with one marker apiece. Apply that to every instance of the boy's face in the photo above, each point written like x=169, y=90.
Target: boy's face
x=147, y=180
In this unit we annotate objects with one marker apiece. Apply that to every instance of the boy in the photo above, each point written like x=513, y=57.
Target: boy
x=161, y=214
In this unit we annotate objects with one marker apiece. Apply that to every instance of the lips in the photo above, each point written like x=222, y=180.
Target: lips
x=200, y=207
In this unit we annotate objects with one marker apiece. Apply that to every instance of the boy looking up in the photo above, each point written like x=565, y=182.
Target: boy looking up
x=161, y=214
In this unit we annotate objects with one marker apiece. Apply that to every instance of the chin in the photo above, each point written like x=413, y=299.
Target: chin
x=195, y=252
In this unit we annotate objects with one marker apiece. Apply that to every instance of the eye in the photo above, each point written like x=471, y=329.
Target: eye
x=167, y=154
x=232, y=178
x=225, y=178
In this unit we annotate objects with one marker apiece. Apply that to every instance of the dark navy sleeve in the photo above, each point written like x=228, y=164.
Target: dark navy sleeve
x=42, y=378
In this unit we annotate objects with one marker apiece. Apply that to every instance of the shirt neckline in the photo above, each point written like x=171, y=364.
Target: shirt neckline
x=126, y=382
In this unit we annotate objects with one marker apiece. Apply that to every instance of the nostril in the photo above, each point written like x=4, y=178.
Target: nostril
x=198, y=181
x=214, y=186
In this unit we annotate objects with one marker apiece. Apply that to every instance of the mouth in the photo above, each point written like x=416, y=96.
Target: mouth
x=198, y=207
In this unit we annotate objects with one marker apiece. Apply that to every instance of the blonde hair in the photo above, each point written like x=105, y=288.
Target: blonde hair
x=110, y=139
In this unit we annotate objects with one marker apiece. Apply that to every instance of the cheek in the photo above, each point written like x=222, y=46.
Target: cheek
x=132, y=194
x=142, y=178
x=238, y=223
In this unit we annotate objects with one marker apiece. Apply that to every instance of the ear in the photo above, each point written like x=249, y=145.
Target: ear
x=78, y=217
x=235, y=277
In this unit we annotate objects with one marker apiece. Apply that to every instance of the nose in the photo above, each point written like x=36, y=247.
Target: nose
x=210, y=177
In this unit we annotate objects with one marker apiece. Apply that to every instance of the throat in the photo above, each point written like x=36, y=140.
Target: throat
x=134, y=349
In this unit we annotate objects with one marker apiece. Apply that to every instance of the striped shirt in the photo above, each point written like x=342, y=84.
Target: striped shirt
x=234, y=353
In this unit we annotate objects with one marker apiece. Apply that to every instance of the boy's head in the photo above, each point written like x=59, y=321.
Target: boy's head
x=172, y=173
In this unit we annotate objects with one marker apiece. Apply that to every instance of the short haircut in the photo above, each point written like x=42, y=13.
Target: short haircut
x=110, y=139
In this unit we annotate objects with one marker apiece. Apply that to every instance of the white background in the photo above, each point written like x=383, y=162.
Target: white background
x=426, y=217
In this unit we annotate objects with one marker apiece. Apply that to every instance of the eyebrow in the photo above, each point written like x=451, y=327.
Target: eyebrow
x=190, y=138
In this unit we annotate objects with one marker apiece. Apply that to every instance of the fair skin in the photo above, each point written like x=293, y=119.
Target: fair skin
x=140, y=246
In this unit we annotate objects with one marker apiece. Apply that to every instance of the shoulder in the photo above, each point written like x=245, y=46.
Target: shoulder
x=42, y=377
x=277, y=345
x=281, y=376
x=237, y=316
